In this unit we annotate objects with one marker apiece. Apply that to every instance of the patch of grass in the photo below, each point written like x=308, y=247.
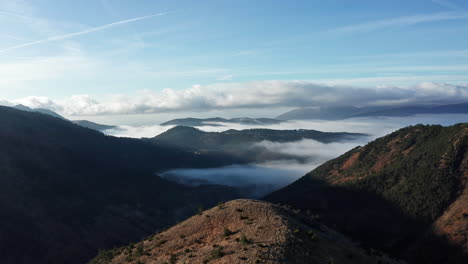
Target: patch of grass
x=172, y=259
x=139, y=250
x=161, y=242
x=227, y=232
x=217, y=253
x=244, y=240
x=104, y=257
x=312, y=236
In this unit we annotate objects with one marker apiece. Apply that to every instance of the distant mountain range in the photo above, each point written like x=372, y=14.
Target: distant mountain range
x=83, y=123
x=344, y=112
x=216, y=120
x=67, y=191
x=405, y=193
x=241, y=143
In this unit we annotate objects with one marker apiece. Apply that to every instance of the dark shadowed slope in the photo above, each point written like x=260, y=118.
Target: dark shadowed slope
x=405, y=193
x=66, y=191
x=246, y=231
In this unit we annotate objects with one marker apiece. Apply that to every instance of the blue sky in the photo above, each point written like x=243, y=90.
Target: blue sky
x=121, y=56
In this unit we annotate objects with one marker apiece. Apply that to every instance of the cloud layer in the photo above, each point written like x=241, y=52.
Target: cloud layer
x=258, y=94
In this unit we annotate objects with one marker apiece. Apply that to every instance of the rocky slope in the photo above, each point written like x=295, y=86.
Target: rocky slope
x=405, y=193
x=245, y=231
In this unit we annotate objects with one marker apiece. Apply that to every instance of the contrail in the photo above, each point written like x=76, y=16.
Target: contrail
x=71, y=35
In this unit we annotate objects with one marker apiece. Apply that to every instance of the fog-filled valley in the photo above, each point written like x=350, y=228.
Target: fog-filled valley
x=256, y=179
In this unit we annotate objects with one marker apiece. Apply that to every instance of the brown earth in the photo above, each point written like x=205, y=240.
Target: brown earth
x=246, y=231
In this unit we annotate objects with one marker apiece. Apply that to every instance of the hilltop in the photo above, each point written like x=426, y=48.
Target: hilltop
x=245, y=231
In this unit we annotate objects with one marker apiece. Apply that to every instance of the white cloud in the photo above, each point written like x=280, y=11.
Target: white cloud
x=308, y=148
x=137, y=131
x=38, y=102
x=5, y=102
x=252, y=95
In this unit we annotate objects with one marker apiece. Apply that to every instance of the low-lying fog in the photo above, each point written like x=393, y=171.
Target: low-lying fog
x=256, y=180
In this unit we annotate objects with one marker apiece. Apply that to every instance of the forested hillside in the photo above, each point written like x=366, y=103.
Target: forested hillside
x=390, y=192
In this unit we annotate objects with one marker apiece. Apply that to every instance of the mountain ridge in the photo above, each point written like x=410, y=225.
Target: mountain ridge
x=415, y=176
